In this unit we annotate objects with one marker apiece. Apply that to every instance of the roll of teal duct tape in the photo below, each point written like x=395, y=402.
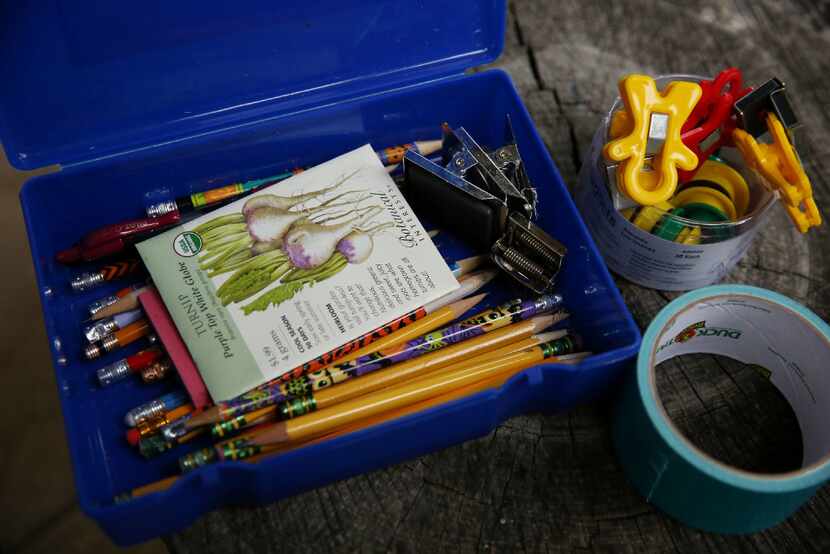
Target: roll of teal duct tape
x=755, y=326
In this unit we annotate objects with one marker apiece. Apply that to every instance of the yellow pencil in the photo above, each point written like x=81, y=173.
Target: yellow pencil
x=495, y=344
x=323, y=421
x=245, y=446
x=249, y=450
x=462, y=353
x=469, y=390
x=244, y=421
x=429, y=323
x=272, y=450
x=433, y=321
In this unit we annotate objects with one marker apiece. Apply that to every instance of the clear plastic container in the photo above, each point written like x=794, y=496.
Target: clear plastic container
x=666, y=250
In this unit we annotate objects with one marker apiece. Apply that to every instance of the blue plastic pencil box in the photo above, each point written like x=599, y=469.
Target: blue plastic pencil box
x=185, y=97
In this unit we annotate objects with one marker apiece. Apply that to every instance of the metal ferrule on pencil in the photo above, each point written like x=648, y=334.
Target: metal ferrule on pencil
x=161, y=208
x=548, y=302
x=86, y=281
x=92, y=351
x=113, y=373
x=100, y=329
x=151, y=425
x=102, y=303
x=154, y=408
x=153, y=445
x=108, y=344
x=176, y=429
x=197, y=459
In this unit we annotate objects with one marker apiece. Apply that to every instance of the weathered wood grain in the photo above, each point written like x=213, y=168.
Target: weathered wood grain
x=552, y=483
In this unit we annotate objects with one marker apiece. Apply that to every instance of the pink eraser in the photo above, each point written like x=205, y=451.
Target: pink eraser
x=174, y=345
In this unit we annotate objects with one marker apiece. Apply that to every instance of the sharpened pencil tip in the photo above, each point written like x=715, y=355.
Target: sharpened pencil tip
x=550, y=335
x=542, y=322
x=471, y=263
x=561, y=315
x=484, y=275
x=203, y=418
x=427, y=147
x=462, y=306
x=472, y=282
x=274, y=434
x=570, y=358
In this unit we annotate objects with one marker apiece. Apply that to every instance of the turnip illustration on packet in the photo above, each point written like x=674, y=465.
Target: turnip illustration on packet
x=296, y=240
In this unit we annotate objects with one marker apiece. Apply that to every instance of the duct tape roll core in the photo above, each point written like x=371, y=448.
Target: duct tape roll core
x=754, y=326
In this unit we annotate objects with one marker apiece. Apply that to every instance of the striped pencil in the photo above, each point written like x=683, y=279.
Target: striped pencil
x=259, y=397
x=469, y=390
x=329, y=389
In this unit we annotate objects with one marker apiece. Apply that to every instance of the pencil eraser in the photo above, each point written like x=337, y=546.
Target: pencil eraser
x=133, y=436
x=174, y=345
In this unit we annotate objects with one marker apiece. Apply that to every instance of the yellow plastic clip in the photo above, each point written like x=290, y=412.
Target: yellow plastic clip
x=648, y=216
x=620, y=124
x=657, y=117
x=779, y=164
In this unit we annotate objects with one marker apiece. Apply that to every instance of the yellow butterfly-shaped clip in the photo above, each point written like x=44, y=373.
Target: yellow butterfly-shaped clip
x=780, y=166
x=620, y=124
x=655, y=117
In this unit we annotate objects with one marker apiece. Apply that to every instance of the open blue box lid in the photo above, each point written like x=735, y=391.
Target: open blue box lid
x=90, y=79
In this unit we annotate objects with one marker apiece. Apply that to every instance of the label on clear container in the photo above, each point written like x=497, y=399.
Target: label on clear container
x=647, y=259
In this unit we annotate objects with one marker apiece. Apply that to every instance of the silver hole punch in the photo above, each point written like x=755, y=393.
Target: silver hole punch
x=486, y=198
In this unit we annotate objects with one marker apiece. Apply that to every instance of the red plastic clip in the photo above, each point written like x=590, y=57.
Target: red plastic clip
x=711, y=123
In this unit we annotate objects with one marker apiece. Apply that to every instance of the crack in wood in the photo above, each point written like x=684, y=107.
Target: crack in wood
x=789, y=273
x=534, y=68
x=406, y=513
x=517, y=27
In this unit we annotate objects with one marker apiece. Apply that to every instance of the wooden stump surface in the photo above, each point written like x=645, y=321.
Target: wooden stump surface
x=552, y=483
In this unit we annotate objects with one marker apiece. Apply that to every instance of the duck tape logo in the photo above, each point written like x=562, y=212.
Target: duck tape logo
x=187, y=244
x=700, y=329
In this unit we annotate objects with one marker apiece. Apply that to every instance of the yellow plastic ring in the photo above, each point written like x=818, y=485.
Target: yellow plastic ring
x=730, y=180
x=708, y=196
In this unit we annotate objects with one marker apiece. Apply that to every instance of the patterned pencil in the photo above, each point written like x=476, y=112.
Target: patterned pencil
x=254, y=442
x=444, y=347
x=320, y=392
x=322, y=422
x=269, y=451
x=124, y=303
x=257, y=398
